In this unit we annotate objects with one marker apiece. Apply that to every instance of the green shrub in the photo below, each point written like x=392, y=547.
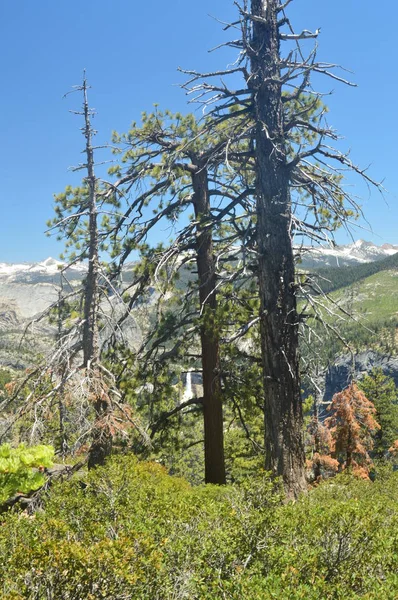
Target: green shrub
x=21, y=468
x=130, y=531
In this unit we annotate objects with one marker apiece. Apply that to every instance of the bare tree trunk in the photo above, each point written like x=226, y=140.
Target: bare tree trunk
x=212, y=403
x=279, y=321
x=102, y=440
x=63, y=441
x=317, y=443
x=90, y=330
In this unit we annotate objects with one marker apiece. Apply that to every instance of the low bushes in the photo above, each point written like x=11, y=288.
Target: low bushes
x=130, y=531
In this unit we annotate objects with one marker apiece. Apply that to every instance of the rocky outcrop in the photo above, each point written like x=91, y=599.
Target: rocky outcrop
x=29, y=299
x=347, y=367
x=9, y=315
x=28, y=290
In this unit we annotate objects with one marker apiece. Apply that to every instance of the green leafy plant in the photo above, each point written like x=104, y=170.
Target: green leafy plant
x=21, y=468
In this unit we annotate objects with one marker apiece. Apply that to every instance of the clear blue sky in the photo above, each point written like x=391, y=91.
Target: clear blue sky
x=131, y=51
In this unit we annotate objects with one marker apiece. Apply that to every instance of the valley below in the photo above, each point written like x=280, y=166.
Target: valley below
x=27, y=291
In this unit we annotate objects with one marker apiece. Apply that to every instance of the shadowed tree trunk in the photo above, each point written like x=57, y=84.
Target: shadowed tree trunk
x=166, y=136
x=279, y=320
x=212, y=404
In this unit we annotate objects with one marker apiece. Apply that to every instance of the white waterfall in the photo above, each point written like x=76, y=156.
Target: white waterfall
x=187, y=395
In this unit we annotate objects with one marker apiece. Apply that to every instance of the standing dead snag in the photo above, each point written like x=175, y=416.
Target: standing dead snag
x=82, y=220
x=102, y=438
x=91, y=300
x=73, y=369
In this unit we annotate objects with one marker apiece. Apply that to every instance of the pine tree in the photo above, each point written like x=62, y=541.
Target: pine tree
x=298, y=193
x=180, y=164
x=382, y=392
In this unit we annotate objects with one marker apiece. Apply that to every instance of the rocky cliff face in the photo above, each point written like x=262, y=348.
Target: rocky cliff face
x=346, y=368
x=32, y=287
x=26, y=291
x=9, y=314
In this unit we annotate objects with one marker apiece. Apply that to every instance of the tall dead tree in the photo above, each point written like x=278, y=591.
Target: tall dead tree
x=101, y=437
x=91, y=291
x=74, y=368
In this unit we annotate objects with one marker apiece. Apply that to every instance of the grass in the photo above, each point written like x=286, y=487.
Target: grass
x=373, y=305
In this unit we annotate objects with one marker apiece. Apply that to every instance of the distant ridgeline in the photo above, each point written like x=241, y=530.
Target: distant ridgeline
x=334, y=278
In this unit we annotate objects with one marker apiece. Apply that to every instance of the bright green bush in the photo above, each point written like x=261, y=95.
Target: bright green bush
x=20, y=468
x=130, y=531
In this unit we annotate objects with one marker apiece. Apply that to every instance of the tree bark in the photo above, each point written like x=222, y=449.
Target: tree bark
x=317, y=440
x=101, y=445
x=279, y=322
x=90, y=329
x=212, y=402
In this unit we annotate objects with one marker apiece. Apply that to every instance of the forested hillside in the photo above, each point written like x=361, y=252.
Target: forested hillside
x=163, y=428
x=333, y=278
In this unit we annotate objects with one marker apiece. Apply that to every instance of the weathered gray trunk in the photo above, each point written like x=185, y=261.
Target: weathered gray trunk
x=90, y=329
x=212, y=402
x=279, y=322
x=102, y=439
x=63, y=440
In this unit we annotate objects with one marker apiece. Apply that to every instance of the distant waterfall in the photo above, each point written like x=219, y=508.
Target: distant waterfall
x=187, y=395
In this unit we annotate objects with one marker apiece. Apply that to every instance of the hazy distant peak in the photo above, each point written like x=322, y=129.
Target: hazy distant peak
x=51, y=262
x=362, y=244
x=46, y=271
x=358, y=252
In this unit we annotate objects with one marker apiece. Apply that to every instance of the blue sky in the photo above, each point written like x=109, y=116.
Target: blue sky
x=131, y=51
